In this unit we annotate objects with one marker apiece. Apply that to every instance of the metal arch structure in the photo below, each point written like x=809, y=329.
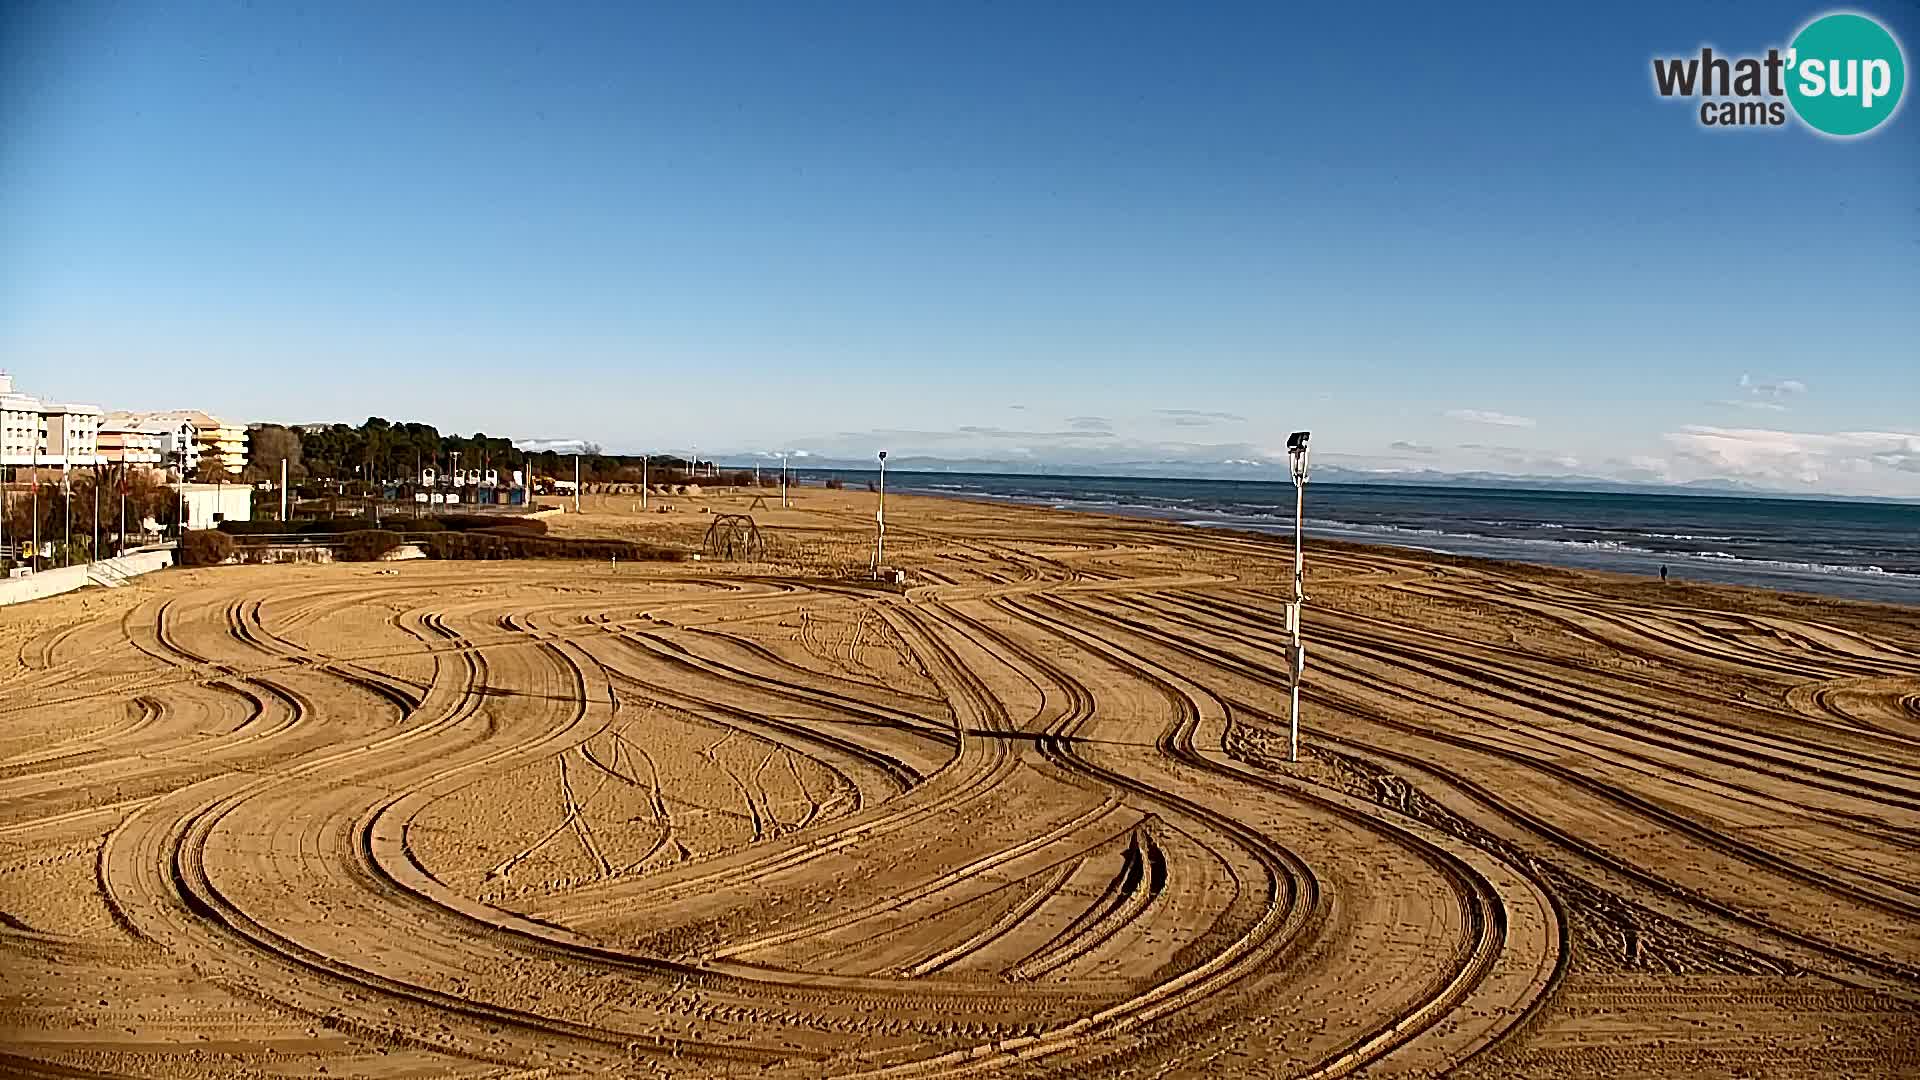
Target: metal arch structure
x=734, y=536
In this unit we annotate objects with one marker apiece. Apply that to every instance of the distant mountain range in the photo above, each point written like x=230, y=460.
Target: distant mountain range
x=1277, y=473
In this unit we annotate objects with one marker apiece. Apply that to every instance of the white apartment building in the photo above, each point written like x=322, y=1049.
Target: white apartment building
x=210, y=435
x=51, y=434
x=128, y=438
x=132, y=446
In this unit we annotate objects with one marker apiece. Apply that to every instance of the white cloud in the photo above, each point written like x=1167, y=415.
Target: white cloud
x=1776, y=389
x=1200, y=417
x=1488, y=416
x=1842, y=462
x=1767, y=396
x=1410, y=447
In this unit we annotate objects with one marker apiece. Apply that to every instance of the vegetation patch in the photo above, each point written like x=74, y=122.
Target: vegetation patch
x=205, y=547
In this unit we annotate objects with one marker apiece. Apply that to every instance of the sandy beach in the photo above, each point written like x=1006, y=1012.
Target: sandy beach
x=1029, y=814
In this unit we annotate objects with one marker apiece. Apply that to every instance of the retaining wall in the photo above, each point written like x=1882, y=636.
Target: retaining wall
x=68, y=578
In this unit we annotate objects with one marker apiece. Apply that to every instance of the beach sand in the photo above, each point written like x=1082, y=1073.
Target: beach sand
x=1030, y=813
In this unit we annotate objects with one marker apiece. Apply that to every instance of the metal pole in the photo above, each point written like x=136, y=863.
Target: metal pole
x=123, y=506
x=576, y=481
x=643, y=482
x=880, y=520
x=283, y=487
x=1299, y=596
x=66, y=495
x=93, y=552
x=1297, y=454
x=783, y=482
x=36, y=495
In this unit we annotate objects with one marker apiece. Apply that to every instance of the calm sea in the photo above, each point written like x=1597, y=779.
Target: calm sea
x=1864, y=551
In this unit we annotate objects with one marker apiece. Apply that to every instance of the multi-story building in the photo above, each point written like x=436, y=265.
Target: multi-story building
x=138, y=445
x=44, y=432
x=208, y=435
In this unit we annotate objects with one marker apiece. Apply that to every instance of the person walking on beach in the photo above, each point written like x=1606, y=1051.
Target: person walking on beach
x=1663, y=573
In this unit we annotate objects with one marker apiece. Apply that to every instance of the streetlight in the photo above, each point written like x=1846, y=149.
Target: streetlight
x=880, y=521
x=643, y=483
x=784, y=501
x=1297, y=455
x=36, y=499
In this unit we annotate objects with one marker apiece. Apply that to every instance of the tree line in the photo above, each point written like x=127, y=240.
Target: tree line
x=381, y=451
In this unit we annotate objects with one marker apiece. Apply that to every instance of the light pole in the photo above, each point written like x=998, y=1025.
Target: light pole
x=180, y=514
x=1297, y=455
x=36, y=498
x=643, y=483
x=576, y=481
x=784, y=501
x=880, y=520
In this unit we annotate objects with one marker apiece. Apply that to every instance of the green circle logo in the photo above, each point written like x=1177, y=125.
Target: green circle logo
x=1845, y=74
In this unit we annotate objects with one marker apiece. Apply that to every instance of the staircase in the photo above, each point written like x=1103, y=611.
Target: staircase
x=108, y=574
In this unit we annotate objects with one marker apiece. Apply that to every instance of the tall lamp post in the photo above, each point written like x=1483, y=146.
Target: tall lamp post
x=66, y=494
x=880, y=520
x=1297, y=455
x=36, y=500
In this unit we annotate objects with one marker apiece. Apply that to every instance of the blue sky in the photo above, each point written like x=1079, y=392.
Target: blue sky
x=1469, y=238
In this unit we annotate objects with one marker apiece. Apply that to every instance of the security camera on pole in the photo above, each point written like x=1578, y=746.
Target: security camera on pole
x=1297, y=658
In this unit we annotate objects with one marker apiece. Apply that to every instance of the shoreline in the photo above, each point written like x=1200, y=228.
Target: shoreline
x=1886, y=588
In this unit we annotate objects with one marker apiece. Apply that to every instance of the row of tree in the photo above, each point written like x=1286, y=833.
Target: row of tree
x=147, y=498
x=383, y=452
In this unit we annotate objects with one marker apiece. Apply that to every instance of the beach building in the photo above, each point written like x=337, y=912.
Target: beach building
x=50, y=433
x=207, y=505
